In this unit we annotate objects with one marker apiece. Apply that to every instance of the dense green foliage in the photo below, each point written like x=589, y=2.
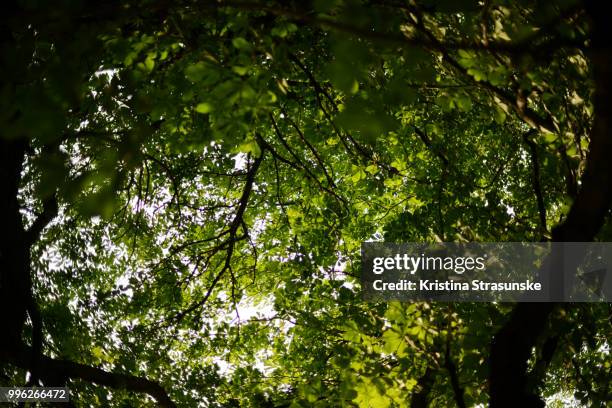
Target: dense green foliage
x=217, y=165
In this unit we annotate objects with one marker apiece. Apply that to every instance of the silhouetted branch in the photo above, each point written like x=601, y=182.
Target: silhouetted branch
x=420, y=399
x=52, y=368
x=233, y=237
x=535, y=180
x=49, y=212
x=513, y=343
x=508, y=47
x=450, y=366
x=427, y=142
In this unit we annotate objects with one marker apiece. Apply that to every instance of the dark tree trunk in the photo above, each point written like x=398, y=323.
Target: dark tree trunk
x=512, y=345
x=14, y=249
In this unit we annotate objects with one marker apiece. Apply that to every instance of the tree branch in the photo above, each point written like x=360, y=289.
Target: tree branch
x=507, y=47
x=427, y=142
x=48, y=213
x=359, y=149
x=301, y=164
x=513, y=343
x=420, y=399
x=535, y=180
x=315, y=153
x=52, y=368
x=450, y=366
x=518, y=103
x=237, y=221
x=545, y=356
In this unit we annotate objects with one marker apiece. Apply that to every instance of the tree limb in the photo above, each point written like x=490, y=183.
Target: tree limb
x=420, y=399
x=427, y=142
x=511, y=48
x=535, y=180
x=518, y=103
x=301, y=164
x=51, y=368
x=513, y=343
x=450, y=366
x=48, y=213
x=237, y=221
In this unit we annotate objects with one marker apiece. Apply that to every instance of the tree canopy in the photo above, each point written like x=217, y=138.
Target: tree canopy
x=186, y=185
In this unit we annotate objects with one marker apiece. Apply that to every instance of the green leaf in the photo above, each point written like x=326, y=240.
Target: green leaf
x=196, y=72
x=250, y=146
x=478, y=74
x=372, y=169
x=500, y=115
x=240, y=43
x=463, y=102
x=240, y=70
x=204, y=107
